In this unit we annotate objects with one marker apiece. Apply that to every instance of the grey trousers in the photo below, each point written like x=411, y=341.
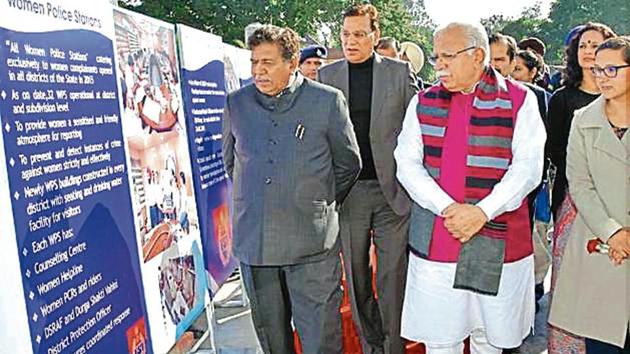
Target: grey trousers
x=309, y=294
x=366, y=217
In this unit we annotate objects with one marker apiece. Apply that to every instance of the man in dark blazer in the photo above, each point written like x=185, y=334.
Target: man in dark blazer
x=290, y=149
x=378, y=91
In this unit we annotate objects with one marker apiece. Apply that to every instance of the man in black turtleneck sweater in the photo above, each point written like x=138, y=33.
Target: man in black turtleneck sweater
x=360, y=101
x=377, y=208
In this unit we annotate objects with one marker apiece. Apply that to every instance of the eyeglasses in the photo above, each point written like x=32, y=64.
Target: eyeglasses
x=447, y=57
x=609, y=71
x=356, y=34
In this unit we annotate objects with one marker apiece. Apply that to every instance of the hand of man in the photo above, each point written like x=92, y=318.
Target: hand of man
x=464, y=220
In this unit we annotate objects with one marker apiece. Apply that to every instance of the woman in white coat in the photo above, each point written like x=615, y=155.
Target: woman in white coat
x=592, y=295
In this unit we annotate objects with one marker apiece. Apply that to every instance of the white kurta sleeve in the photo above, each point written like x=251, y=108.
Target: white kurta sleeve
x=410, y=171
x=525, y=171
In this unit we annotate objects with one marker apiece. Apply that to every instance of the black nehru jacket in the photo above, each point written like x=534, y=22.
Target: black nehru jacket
x=360, y=103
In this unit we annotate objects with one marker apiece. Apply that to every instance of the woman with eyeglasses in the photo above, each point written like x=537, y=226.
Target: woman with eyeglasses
x=579, y=90
x=592, y=294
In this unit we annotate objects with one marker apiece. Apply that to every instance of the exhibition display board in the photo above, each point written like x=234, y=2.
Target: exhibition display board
x=64, y=153
x=203, y=86
x=116, y=229
x=160, y=176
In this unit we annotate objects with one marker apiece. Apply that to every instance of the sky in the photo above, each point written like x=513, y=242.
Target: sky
x=445, y=11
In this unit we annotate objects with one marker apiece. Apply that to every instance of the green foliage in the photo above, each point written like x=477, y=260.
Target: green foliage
x=494, y=23
x=228, y=18
x=396, y=21
x=182, y=11
x=528, y=24
x=406, y=20
x=564, y=15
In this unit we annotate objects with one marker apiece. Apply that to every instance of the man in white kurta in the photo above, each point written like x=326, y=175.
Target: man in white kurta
x=459, y=117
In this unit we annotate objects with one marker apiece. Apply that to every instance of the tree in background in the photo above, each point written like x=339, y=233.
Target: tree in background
x=406, y=20
x=228, y=18
x=495, y=23
x=529, y=23
x=566, y=14
x=563, y=16
x=182, y=11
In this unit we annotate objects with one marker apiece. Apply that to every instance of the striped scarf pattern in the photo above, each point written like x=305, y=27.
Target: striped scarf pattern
x=488, y=156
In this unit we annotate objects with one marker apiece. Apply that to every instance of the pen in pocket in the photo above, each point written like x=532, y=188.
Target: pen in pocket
x=299, y=131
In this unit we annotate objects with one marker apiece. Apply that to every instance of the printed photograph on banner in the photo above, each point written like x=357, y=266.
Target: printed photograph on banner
x=178, y=283
x=232, y=82
x=160, y=169
x=237, y=67
x=162, y=191
x=150, y=80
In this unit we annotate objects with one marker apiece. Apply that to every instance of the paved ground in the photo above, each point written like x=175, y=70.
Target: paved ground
x=235, y=332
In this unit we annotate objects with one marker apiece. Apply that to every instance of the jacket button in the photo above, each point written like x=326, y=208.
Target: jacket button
x=272, y=142
x=270, y=161
x=268, y=180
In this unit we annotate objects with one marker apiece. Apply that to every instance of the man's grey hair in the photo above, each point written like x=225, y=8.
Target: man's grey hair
x=475, y=33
